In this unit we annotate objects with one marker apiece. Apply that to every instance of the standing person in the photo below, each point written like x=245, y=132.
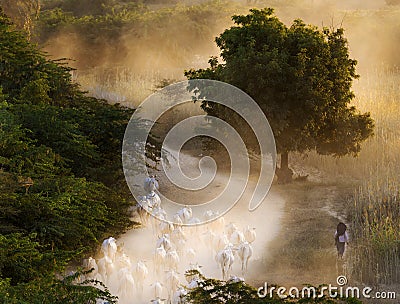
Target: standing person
x=341, y=238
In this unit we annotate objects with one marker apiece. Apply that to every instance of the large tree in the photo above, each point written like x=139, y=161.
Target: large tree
x=300, y=76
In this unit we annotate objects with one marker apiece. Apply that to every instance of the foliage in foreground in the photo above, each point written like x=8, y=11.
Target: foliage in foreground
x=213, y=291
x=52, y=290
x=60, y=175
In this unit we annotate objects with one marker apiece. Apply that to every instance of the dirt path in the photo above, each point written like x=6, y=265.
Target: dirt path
x=304, y=252
x=140, y=244
x=294, y=245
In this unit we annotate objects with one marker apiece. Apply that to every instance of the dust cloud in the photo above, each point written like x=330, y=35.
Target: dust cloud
x=140, y=244
x=182, y=40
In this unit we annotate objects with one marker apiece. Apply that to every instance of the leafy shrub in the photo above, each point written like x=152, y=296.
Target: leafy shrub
x=60, y=175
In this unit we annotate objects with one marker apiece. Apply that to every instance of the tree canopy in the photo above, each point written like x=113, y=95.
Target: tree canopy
x=300, y=76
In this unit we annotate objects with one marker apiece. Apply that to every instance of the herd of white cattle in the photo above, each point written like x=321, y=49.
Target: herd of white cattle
x=161, y=276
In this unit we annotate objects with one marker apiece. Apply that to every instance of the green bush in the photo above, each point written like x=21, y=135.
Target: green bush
x=61, y=181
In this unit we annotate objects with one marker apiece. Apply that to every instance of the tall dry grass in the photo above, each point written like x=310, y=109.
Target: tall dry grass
x=374, y=209
x=375, y=222
x=123, y=85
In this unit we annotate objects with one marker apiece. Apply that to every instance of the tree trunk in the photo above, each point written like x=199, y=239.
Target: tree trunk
x=285, y=161
x=284, y=173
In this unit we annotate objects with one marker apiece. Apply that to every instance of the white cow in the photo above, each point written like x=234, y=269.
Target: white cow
x=165, y=242
x=194, y=272
x=141, y=273
x=159, y=212
x=90, y=264
x=120, y=248
x=78, y=277
x=180, y=246
x=153, y=200
x=172, y=282
x=123, y=261
x=126, y=282
x=176, y=219
x=159, y=217
x=179, y=296
x=166, y=227
x=185, y=214
x=235, y=279
x=106, y=268
x=237, y=237
x=245, y=251
x=194, y=221
x=172, y=259
x=178, y=234
x=150, y=184
x=220, y=242
x=157, y=289
x=250, y=234
x=159, y=259
x=230, y=229
x=141, y=209
x=132, y=211
x=208, y=215
x=219, y=224
x=155, y=225
x=109, y=248
x=225, y=259
x=216, y=225
x=194, y=283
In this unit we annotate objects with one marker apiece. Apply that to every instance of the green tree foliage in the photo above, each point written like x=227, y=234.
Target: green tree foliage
x=212, y=291
x=299, y=75
x=49, y=290
x=25, y=71
x=20, y=258
x=61, y=181
x=80, y=8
